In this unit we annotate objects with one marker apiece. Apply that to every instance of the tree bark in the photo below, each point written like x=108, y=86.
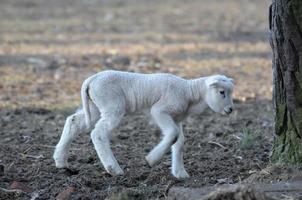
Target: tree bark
x=285, y=19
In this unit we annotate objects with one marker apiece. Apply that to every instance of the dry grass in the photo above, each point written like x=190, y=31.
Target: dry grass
x=189, y=39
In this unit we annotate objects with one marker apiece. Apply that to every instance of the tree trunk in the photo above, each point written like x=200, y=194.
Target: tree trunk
x=286, y=42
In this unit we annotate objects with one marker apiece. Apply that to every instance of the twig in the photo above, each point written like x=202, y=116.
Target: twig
x=46, y=146
x=166, y=189
x=238, y=157
x=8, y=168
x=29, y=148
x=257, y=164
x=236, y=137
x=11, y=191
x=218, y=144
x=31, y=156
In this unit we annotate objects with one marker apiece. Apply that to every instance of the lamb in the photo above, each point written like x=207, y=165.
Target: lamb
x=107, y=96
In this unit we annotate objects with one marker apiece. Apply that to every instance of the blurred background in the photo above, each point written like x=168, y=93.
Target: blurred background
x=47, y=49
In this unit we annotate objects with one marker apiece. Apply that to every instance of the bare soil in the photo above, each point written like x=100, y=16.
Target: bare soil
x=47, y=48
x=28, y=143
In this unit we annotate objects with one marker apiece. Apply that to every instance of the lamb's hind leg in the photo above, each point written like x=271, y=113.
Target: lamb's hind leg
x=74, y=125
x=100, y=138
x=178, y=169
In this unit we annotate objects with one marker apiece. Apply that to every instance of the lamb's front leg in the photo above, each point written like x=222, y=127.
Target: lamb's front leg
x=170, y=131
x=178, y=168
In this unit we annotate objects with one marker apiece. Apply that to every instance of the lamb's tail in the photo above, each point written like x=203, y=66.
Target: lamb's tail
x=85, y=99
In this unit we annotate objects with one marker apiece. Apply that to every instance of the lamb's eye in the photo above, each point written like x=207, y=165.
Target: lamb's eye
x=222, y=93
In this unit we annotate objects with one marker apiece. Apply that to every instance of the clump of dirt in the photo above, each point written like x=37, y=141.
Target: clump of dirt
x=237, y=193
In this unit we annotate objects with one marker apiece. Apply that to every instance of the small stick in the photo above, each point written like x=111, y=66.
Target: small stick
x=238, y=157
x=218, y=144
x=31, y=156
x=11, y=191
x=29, y=148
x=166, y=189
x=46, y=146
x=236, y=137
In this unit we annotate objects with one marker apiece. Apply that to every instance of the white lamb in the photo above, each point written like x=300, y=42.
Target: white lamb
x=107, y=96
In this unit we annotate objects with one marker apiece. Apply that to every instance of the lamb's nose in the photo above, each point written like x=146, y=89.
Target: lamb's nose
x=230, y=110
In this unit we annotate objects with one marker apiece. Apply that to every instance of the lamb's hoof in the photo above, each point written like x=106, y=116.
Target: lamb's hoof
x=61, y=164
x=114, y=171
x=181, y=174
x=147, y=164
x=60, y=159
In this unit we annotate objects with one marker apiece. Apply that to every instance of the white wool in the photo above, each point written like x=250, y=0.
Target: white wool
x=169, y=98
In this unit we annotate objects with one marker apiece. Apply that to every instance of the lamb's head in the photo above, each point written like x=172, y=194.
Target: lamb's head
x=219, y=94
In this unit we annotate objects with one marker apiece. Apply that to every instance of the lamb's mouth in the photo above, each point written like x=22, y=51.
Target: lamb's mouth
x=227, y=112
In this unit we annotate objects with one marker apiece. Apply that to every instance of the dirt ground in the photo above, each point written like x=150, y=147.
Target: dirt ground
x=47, y=48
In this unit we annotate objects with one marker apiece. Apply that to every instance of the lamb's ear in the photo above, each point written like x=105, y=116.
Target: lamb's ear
x=211, y=82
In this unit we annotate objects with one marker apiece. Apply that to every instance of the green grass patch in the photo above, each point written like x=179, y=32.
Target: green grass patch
x=250, y=139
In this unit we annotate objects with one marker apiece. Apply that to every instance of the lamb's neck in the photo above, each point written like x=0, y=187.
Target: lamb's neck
x=197, y=89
